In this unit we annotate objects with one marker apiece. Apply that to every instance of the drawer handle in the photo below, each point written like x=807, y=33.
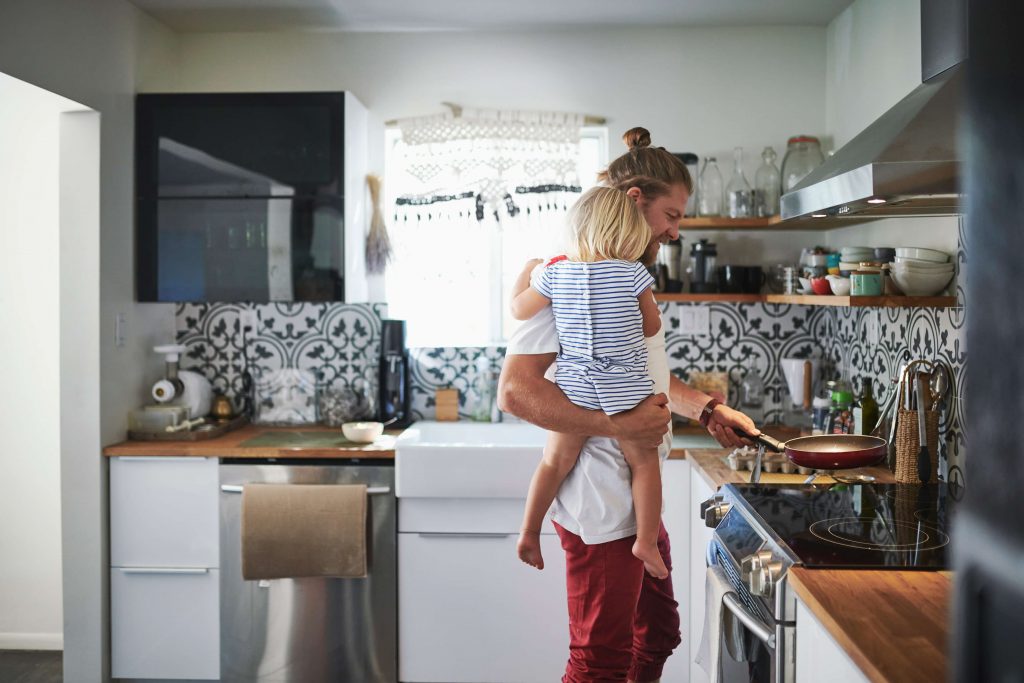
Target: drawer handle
x=370, y=491
x=164, y=570
x=453, y=534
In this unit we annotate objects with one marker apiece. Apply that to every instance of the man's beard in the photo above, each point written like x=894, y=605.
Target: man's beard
x=650, y=255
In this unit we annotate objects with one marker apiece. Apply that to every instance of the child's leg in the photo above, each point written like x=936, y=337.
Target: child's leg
x=560, y=454
x=645, y=466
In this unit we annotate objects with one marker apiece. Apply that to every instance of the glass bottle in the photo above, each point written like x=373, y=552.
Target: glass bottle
x=709, y=194
x=485, y=390
x=866, y=412
x=803, y=155
x=737, y=193
x=841, y=411
x=752, y=394
x=768, y=183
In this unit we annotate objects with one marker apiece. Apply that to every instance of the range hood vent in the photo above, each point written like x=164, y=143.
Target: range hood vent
x=905, y=163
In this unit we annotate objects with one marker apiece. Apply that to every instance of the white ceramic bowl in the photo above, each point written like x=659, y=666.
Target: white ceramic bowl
x=805, y=284
x=916, y=283
x=816, y=260
x=362, y=432
x=856, y=251
x=922, y=254
x=905, y=262
x=840, y=285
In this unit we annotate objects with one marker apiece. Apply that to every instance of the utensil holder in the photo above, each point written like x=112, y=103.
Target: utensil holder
x=908, y=445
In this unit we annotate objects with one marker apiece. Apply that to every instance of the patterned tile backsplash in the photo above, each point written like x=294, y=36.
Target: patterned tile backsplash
x=340, y=343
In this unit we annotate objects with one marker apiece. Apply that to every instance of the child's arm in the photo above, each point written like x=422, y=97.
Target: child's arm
x=527, y=303
x=523, y=279
x=649, y=310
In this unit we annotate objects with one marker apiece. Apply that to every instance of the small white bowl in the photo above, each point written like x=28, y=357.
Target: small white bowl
x=805, y=283
x=922, y=254
x=362, y=432
x=840, y=285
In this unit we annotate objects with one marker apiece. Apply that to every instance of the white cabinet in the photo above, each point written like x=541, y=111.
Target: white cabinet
x=700, y=536
x=164, y=623
x=164, y=558
x=468, y=609
x=818, y=655
x=675, y=476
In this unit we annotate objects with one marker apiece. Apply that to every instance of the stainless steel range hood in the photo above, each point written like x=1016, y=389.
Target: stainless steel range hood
x=905, y=163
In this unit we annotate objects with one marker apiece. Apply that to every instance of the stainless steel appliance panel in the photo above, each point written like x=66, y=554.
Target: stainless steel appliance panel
x=311, y=629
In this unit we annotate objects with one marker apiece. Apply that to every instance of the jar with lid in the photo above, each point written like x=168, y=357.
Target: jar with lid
x=691, y=161
x=767, y=184
x=737, y=192
x=703, y=255
x=803, y=155
x=751, y=398
x=709, y=190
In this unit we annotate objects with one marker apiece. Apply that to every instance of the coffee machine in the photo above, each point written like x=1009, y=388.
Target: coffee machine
x=394, y=375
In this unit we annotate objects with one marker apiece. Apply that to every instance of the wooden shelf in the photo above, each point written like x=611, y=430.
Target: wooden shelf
x=816, y=300
x=772, y=223
x=709, y=298
x=863, y=301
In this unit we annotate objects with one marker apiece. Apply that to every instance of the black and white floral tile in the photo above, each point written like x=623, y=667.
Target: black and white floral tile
x=331, y=345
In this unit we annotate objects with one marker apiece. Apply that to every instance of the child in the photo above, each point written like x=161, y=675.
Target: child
x=603, y=307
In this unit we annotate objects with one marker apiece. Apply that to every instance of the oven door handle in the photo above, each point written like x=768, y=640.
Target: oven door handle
x=761, y=630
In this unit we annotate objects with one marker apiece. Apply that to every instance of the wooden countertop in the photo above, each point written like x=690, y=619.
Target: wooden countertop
x=710, y=464
x=895, y=625
x=231, y=446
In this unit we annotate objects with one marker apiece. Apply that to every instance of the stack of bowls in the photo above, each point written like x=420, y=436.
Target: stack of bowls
x=921, y=272
x=850, y=257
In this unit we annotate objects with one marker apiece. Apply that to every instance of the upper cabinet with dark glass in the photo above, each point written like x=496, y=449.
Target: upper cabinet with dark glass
x=250, y=197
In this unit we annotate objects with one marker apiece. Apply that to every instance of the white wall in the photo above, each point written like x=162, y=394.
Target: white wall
x=874, y=60
x=30, y=568
x=701, y=90
x=88, y=52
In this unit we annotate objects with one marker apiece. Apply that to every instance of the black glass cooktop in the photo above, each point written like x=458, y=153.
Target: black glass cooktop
x=882, y=526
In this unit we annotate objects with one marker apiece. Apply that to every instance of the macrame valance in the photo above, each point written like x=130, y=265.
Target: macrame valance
x=486, y=163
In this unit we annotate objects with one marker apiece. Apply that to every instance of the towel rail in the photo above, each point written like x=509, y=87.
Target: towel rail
x=370, y=490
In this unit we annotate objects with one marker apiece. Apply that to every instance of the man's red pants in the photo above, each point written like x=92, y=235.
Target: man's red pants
x=623, y=623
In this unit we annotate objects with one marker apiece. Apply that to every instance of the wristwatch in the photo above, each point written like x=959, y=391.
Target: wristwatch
x=709, y=409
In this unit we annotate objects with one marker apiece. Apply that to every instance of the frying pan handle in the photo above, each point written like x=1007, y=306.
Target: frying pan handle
x=762, y=439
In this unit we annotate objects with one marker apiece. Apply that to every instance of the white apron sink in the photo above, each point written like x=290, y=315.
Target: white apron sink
x=467, y=459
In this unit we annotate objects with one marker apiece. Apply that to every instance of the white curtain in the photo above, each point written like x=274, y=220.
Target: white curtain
x=487, y=164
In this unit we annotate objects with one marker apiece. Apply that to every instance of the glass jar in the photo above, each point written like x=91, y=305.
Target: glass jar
x=751, y=399
x=803, y=155
x=737, y=193
x=767, y=184
x=709, y=191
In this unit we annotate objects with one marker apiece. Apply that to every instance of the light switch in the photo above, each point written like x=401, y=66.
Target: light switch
x=120, y=329
x=872, y=326
x=694, y=321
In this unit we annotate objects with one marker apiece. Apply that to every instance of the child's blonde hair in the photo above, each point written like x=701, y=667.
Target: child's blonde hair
x=606, y=223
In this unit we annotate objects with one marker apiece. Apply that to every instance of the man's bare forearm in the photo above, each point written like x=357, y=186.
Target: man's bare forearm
x=523, y=392
x=685, y=400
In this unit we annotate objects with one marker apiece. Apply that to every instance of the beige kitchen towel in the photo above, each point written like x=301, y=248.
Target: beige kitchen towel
x=299, y=530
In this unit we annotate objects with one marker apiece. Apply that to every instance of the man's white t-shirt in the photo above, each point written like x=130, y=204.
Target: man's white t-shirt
x=595, y=501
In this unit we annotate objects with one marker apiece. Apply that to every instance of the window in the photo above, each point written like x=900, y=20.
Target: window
x=451, y=282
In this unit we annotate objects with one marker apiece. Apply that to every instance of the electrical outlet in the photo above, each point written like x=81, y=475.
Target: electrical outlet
x=694, y=321
x=120, y=329
x=248, y=320
x=872, y=327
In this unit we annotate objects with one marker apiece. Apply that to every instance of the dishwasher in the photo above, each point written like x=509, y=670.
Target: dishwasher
x=309, y=630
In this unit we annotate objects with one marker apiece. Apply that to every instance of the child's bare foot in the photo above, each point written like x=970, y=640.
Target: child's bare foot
x=649, y=555
x=528, y=548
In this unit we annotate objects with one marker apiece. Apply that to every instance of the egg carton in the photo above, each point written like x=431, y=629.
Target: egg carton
x=744, y=459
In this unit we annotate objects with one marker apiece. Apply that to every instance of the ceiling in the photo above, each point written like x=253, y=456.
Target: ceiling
x=217, y=16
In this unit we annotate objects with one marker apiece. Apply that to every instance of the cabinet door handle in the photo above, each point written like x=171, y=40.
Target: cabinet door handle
x=454, y=534
x=160, y=458
x=370, y=490
x=164, y=570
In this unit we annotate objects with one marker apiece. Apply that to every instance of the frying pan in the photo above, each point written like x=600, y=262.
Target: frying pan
x=828, y=451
